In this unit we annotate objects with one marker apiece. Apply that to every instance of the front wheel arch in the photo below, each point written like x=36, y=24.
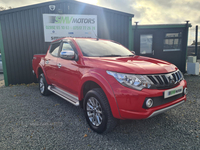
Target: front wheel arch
x=105, y=86
x=98, y=112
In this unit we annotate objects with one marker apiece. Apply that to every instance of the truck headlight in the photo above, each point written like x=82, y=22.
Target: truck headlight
x=137, y=82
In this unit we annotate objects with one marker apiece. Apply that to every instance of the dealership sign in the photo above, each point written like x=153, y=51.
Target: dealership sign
x=58, y=26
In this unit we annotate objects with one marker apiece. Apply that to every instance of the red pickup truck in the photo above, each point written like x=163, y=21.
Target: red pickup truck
x=108, y=81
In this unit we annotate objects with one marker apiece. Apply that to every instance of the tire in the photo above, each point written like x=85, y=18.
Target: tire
x=98, y=113
x=43, y=86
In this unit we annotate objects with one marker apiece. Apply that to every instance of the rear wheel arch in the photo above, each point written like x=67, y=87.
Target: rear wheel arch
x=40, y=70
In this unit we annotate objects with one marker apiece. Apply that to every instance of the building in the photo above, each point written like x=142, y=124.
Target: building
x=23, y=32
x=166, y=42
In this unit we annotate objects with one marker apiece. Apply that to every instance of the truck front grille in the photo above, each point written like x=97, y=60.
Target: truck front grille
x=169, y=80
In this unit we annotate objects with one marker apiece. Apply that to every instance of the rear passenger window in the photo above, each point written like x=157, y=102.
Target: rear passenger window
x=54, y=49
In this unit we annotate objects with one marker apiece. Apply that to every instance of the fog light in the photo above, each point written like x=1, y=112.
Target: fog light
x=149, y=103
x=185, y=91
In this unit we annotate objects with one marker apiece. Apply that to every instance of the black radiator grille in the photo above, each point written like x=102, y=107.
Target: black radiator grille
x=166, y=80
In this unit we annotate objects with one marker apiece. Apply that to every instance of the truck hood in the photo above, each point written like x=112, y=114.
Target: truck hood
x=133, y=64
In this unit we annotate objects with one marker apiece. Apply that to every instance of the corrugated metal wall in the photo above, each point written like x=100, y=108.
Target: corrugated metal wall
x=23, y=34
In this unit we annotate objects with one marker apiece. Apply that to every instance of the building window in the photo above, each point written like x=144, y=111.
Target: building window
x=146, y=42
x=172, y=42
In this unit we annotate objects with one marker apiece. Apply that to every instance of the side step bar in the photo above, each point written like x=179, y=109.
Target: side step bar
x=65, y=95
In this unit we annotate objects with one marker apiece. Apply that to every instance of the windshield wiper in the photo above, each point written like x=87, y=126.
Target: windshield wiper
x=112, y=55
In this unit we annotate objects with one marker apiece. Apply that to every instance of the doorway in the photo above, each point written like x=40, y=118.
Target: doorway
x=168, y=44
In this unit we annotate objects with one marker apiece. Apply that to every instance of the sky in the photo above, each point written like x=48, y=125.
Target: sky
x=145, y=11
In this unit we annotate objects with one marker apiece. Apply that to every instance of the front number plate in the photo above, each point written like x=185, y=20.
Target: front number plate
x=172, y=92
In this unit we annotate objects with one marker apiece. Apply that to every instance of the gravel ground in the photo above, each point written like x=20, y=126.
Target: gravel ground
x=31, y=121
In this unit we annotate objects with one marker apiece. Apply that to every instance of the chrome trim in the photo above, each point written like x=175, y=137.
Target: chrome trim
x=33, y=71
x=176, y=76
x=42, y=85
x=145, y=76
x=59, y=65
x=185, y=91
x=155, y=79
x=165, y=109
x=167, y=79
x=94, y=111
x=147, y=103
x=172, y=79
x=46, y=62
x=162, y=79
x=65, y=95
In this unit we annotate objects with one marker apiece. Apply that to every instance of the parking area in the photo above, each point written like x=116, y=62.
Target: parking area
x=31, y=121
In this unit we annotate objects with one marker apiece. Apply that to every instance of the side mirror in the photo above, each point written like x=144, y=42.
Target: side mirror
x=133, y=52
x=67, y=54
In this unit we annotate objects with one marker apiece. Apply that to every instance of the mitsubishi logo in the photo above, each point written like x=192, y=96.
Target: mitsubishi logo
x=171, y=79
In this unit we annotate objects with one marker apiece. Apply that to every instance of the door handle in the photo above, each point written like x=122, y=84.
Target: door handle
x=153, y=52
x=47, y=62
x=59, y=65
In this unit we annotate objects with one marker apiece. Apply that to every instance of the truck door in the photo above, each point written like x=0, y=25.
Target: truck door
x=50, y=62
x=67, y=72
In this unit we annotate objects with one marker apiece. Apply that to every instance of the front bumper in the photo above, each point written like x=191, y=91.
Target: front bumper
x=131, y=102
x=165, y=109
x=152, y=111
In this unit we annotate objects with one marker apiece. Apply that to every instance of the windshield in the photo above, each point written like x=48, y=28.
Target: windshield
x=101, y=48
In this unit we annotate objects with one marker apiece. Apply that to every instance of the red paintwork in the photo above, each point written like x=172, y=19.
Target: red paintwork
x=125, y=103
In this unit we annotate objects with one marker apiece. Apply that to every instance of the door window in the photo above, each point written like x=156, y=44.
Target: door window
x=172, y=42
x=54, y=49
x=146, y=42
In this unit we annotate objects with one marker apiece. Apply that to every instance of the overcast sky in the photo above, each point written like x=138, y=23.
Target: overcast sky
x=145, y=11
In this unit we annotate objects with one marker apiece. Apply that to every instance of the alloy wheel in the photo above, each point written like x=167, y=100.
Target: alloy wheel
x=41, y=85
x=94, y=111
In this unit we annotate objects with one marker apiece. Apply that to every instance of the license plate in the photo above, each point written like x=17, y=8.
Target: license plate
x=173, y=92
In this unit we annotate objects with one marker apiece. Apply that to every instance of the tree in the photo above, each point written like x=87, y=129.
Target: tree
x=198, y=43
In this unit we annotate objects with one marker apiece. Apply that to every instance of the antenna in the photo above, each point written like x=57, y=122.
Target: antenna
x=95, y=35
